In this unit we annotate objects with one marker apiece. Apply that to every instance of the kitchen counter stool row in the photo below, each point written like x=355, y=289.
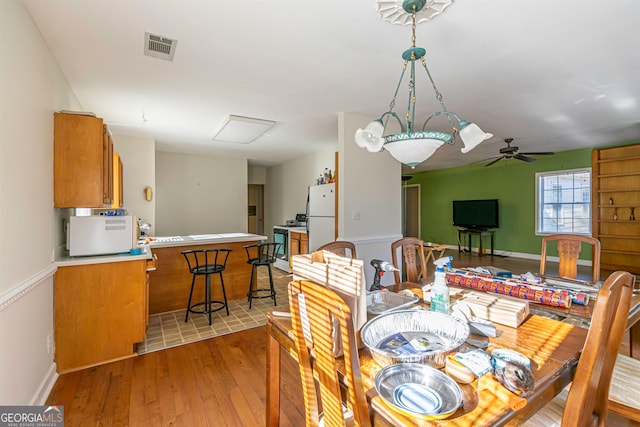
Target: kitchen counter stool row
x=207, y=262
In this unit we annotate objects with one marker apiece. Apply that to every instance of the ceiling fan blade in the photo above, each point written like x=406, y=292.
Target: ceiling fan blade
x=523, y=157
x=486, y=160
x=492, y=162
x=541, y=153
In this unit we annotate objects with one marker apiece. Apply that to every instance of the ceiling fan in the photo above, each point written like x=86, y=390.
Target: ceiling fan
x=510, y=152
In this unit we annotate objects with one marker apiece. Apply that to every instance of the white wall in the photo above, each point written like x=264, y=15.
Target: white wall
x=287, y=185
x=32, y=88
x=370, y=187
x=198, y=194
x=257, y=175
x=138, y=172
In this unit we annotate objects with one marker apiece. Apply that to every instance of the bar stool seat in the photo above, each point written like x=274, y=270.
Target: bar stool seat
x=205, y=262
x=261, y=254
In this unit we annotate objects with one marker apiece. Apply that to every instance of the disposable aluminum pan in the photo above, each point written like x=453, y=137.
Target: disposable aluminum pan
x=413, y=336
x=380, y=302
x=418, y=390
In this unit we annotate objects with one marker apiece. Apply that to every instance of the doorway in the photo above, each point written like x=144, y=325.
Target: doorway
x=255, y=205
x=411, y=210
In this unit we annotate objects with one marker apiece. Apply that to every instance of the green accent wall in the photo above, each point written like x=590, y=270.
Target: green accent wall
x=511, y=181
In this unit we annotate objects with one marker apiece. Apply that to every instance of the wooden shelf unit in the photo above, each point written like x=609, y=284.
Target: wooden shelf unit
x=616, y=191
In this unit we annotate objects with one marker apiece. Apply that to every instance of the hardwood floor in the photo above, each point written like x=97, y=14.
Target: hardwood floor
x=215, y=382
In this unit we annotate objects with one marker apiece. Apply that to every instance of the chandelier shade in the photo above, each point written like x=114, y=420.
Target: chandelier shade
x=413, y=151
x=414, y=144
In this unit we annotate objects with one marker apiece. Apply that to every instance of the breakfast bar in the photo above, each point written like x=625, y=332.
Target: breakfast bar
x=169, y=284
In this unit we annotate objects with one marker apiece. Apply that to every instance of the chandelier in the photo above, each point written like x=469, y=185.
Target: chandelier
x=415, y=144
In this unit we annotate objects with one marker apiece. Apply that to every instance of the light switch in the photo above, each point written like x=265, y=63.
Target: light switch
x=355, y=215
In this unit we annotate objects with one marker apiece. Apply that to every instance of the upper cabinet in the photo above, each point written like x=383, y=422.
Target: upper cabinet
x=83, y=163
x=118, y=201
x=616, y=206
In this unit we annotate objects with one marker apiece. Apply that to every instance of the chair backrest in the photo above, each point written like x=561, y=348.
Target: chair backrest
x=262, y=252
x=202, y=261
x=315, y=310
x=340, y=248
x=412, y=250
x=587, y=399
x=569, y=246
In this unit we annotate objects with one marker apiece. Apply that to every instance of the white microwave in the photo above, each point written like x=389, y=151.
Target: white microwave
x=101, y=235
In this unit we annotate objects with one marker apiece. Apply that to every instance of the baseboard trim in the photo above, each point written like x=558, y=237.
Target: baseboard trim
x=43, y=391
x=522, y=255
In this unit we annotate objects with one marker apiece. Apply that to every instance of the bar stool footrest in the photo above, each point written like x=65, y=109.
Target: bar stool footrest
x=254, y=293
x=221, y=305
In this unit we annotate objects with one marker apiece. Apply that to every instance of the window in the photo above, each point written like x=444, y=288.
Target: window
x=563, y=202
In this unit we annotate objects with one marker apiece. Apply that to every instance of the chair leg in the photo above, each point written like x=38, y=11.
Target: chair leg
x=251, y=285
x=224, y=294
x=193, y=279
x=253, y=269
x=273, y=291
x=207, y=305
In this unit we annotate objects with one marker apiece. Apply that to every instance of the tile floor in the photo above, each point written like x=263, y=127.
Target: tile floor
x=170, y=330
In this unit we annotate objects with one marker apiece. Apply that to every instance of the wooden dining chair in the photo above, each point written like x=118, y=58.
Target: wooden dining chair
x=624, y=393
x=586, y=402
x=569, y=246
x=412, y=252
x=340, y=247
x=315, y=311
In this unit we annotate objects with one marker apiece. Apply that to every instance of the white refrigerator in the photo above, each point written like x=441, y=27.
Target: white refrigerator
x=321, y=221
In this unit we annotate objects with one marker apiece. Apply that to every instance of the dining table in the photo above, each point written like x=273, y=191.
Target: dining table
x=552, y=346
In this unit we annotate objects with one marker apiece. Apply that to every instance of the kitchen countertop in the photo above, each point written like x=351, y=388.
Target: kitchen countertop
x=202, y=239
x=62, y=258
x=296, y=229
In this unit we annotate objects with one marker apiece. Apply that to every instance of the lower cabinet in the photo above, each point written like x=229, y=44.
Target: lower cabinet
x=298, y=244
x=100, y=312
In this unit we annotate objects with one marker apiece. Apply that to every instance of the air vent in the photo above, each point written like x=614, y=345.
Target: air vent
x=159, y=46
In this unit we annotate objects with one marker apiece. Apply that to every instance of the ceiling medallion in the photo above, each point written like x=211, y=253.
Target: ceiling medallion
x=395, y=11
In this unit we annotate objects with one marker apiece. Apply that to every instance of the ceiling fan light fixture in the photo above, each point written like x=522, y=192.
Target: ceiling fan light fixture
x=413, y=144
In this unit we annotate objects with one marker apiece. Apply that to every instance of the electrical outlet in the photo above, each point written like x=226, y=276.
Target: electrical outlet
x=49, y=344
x=355, y=215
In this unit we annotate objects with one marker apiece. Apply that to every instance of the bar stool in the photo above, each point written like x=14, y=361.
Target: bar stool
x=205, y=262
x=261, y=254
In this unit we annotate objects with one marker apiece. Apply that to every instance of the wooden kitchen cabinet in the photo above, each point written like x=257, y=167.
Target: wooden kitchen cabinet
x=615, y=176
x=304, y=243
x=298, y=244
x=82, y=162
x=100, y=312
x=118, y=198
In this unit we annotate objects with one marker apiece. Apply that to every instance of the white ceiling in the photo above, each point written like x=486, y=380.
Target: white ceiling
x=555, y=75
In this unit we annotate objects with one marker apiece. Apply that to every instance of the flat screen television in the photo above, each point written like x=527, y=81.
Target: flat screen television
x=476, y=214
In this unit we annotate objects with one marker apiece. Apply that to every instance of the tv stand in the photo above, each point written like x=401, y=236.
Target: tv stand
x=470, y=232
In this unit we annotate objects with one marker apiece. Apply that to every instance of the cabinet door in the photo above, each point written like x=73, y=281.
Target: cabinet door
x=78, y=161
x=99, y=312
x=304, y=243
x=294, y=244
x=118, y=201
x=107, y=166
